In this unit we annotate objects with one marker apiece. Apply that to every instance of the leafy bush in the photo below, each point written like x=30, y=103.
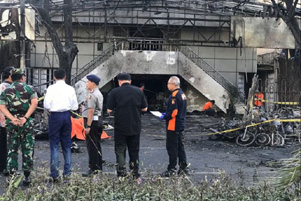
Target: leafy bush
x=108, y=188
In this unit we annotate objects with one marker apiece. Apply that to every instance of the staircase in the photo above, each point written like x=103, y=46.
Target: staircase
x=94, y=63
x=168, y=61
x=218, y=77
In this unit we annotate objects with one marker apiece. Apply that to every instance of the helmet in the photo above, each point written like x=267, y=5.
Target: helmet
x=18, y=71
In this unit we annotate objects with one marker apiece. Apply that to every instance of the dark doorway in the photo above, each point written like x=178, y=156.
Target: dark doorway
x=155, y=90
x=248, y=82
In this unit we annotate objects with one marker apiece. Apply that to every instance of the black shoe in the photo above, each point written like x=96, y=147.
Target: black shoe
x=168, y=173
x=26, y=181
x=89, y=173
x=53, y=180
x=183, y=172
x=122, y=173
x=136, y=175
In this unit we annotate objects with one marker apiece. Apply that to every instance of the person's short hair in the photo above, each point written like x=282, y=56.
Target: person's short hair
x=7, y=72
x=60, y=73
x=212, y=101
x=16, y=77
x=175, y=80
x=123, y=76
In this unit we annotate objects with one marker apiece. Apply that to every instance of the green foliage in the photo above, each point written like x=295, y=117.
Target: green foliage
x=108, y=188
x=289, y=176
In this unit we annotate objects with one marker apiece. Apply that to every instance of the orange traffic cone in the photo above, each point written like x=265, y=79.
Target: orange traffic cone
x=104, y=135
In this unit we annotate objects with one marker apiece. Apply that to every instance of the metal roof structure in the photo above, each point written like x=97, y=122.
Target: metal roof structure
x=200, y=7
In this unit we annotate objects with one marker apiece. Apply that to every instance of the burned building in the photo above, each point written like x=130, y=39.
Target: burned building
x=205, y=43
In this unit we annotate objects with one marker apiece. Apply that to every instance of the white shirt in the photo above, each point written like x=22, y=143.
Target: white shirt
x=60, y=97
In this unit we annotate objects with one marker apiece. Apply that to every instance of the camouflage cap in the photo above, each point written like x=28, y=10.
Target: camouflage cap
x=18, y=71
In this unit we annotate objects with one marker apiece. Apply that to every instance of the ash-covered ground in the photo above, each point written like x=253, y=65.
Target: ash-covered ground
x=207, y=157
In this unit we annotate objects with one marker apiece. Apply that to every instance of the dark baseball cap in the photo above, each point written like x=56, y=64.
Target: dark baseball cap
x=8, y=70
x=94, y=78
x=124, y=76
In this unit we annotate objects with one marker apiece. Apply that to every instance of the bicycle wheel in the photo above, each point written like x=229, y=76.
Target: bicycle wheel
x=232, y=135
x=245, y=140
x=277, y=140
x=262, y=139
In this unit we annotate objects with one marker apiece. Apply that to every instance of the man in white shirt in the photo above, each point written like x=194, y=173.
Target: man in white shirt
x=60, y=98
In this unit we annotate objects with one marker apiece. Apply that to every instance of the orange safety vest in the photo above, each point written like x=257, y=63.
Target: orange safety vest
x=207, y=106
x=258, y=97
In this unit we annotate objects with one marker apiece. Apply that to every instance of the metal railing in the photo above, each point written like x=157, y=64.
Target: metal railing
x=218, y=77
x=94, y=63
x=149, y=45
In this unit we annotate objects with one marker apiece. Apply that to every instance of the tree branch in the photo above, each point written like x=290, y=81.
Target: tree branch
x=50, y=28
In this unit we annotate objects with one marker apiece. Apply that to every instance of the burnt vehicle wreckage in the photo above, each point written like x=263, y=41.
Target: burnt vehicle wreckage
x=260, y=128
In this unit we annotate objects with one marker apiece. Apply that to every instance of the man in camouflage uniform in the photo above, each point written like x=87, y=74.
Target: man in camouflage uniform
x=17, y=103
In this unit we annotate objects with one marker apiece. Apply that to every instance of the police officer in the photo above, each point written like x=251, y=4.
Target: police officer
x=17, y=103
x=128, y=102
x=175, y=123
x=6, y=77
x=92, y=113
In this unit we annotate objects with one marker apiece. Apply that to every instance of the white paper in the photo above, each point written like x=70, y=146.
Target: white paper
x=156, y=113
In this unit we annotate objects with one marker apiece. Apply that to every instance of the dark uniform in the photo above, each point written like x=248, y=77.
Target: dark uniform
x=17, y=98
x=3, y=133
x=175, y=124
x=127, y=101
x=95, y=101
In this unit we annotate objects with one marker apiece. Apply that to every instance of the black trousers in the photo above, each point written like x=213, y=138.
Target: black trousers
x=175, y=150
x=94, y=147
x=133, y=144
x=3, y=148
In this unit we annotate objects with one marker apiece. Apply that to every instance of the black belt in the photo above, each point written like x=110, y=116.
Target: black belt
x=60, y=111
